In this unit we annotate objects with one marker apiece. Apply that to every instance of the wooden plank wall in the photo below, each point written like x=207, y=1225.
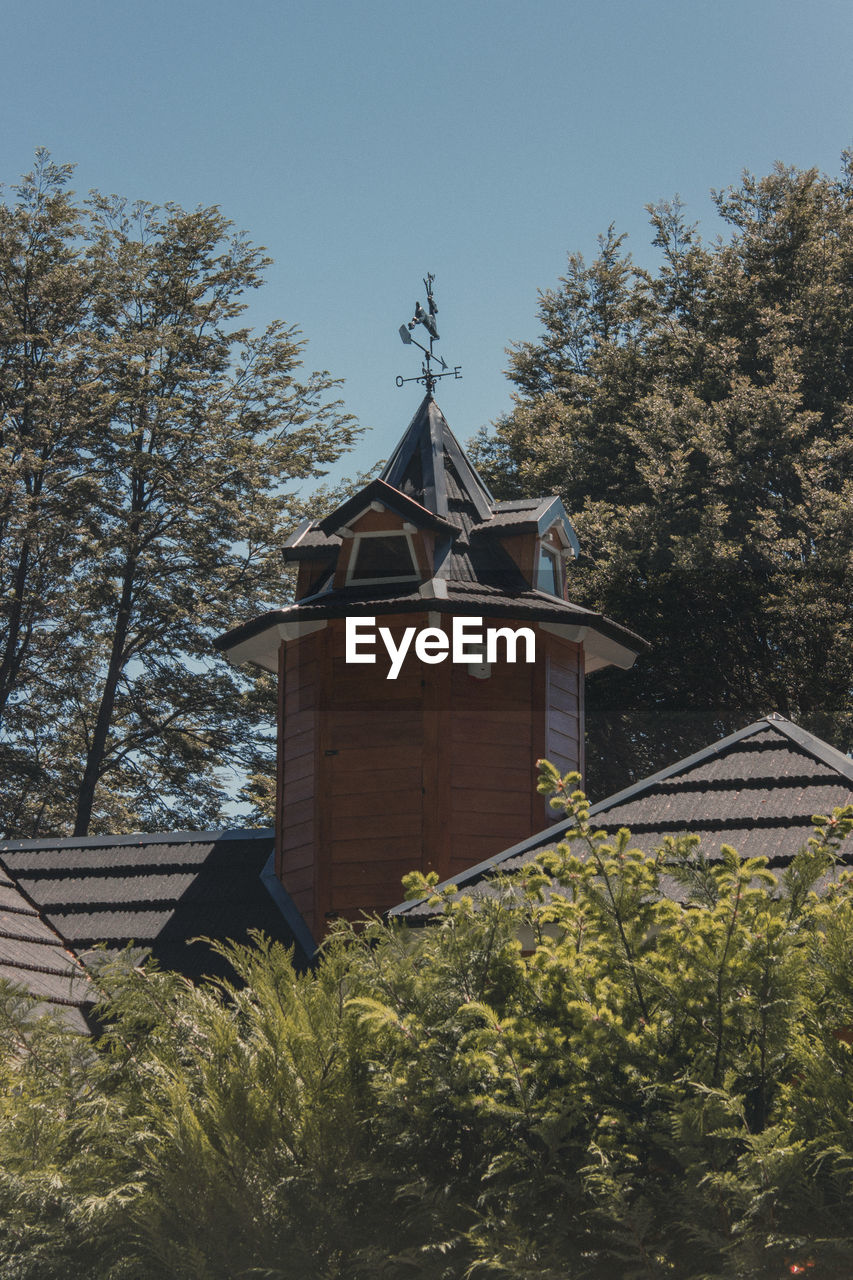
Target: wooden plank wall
x=433, y=770
x=372, y=777
x=298, y=765
x=491, y=751
x=564, y=705
x=564, y=712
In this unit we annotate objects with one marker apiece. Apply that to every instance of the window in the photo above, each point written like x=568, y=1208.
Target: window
x=382, y=557
x=549, y=571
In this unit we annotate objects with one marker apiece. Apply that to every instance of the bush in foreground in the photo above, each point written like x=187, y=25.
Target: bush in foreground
x=577, y=1077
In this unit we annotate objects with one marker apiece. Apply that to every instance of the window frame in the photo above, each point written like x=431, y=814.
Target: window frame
x=352, y=563
x=554, y=553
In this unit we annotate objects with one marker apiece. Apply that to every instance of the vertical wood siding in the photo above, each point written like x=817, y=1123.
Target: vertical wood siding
x=433, y=770
x=372, y=777
x=565, y=693
x=298, y=773
x=491, y=750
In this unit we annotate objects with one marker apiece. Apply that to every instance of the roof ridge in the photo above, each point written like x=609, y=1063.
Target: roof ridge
x=210, y=836
x=821, y=750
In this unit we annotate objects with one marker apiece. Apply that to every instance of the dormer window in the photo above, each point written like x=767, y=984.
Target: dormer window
x=382, y=556
x=549, y=570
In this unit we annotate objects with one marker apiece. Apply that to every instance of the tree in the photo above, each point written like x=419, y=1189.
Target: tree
x=43, y=405
x=152, y=448
x=698, y=423
x=655, y=1088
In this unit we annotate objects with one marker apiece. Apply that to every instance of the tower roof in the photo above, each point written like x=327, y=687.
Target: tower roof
x=430, y=465
x=430, y=483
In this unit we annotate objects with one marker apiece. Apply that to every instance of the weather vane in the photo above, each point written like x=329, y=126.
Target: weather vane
x=427, y=319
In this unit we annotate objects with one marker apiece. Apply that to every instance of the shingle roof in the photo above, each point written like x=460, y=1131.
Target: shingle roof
x=33, y=956
x=395, y=499
x=519, y=504
x=756, y=790
x=419, y=464
x=308, y=542
x=524, y=515
x=159, y=891
x=473, y=596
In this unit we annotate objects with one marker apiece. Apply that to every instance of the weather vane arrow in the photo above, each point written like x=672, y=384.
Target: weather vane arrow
x=426, y=318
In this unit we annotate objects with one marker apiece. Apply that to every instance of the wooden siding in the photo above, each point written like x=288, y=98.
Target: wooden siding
x=492, y=734
x=299, y=683
x=372, y=778
x=564, y=709
x=309, y=574
x=522, y=547
x=432, y=771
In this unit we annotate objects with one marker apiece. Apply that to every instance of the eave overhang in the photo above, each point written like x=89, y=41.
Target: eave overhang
x=307, y=542
x=258, y=641
x=605, y=642
x=549, y=514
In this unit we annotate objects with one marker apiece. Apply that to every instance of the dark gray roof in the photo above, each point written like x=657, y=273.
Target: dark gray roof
x=418, y=466
x=524, y=515
x=395, y=499
x=477, y=560
x=473, y=598
x=473, y=573
x=158, y=891
x=308, y=542
x=756, y=790
x=33, y=956
x=519, y=505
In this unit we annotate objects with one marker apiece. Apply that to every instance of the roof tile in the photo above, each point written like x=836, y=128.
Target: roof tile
x=158, y=890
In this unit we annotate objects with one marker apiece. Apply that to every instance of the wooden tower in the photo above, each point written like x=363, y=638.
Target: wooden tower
x=434, y=769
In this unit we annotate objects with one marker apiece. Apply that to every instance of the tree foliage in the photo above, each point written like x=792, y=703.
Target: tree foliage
x=698, y=422
x=150, y=455
x=577, y=1077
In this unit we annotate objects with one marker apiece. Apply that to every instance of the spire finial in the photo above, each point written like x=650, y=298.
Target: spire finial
x=427, y=319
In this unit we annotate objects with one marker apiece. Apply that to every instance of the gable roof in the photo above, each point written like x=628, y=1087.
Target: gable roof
x=530, y=515
x=308, y=542
x=159, y=891
x=756, y=789
x=394, y=499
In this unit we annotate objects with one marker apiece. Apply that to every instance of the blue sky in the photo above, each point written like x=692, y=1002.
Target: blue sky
x=366, y=143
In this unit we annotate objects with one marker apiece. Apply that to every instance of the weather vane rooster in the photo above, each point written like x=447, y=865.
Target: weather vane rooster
x=427, y=319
